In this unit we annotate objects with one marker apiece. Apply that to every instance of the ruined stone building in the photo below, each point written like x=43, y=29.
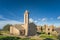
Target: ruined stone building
x=47, y=29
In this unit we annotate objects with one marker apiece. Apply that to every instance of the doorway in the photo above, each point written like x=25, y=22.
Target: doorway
x=22, y=32
x=48, y=33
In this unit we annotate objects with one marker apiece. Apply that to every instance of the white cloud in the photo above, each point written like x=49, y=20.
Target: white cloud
x=11, y=13
x=58, y=17
x=31, y=20
x=57, y=24
x=1, y=17
x=7, y=21
x=2, y=23
x=39, y=19
x=35, y=21
x=43, y=19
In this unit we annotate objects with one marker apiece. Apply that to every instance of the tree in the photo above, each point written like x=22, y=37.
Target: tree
x=7, y=27
x=32, y=29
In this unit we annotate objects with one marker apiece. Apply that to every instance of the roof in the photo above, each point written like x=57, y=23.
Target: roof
x=19, y=27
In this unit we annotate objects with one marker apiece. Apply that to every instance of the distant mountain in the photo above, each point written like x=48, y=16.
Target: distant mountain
x=58, y=30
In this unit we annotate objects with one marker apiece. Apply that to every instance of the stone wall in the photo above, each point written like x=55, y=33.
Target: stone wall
x=47, y=29
x=14, y=31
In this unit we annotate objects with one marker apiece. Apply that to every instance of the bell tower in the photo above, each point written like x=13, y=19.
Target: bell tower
x=26, y=22
x=26, y=17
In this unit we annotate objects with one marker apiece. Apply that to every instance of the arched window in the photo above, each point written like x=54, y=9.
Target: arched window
x=48, y=29
x=52, y=29
x=48, y=33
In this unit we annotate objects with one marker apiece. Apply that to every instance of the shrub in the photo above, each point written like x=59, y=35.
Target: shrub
x=58, y=37
x=25, y=39
x=48, y=39
x=10, y=38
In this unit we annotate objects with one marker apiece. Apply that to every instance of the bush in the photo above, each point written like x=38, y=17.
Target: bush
x=25, y=39
x=7, y=27
x=58, y=37
x=10, y=38
x=48, y=39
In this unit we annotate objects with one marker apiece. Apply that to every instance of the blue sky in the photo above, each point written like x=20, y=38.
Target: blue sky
x=41, y=11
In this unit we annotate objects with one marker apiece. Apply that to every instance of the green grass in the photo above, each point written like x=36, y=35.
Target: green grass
x=2, y=36
x=9, y=38
x=43, y=36
x=25, y=39
x=47, y=36
x=13, y=38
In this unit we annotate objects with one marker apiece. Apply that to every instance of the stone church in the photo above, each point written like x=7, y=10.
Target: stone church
x=26, y=29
